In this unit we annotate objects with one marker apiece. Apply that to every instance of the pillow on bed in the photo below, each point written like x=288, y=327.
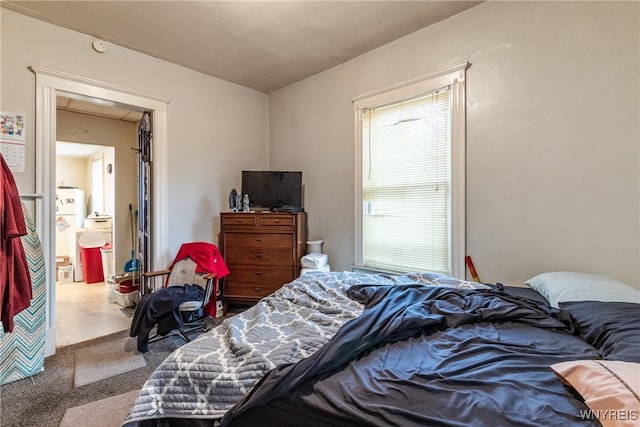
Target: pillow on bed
x=611, y=327
x=568, y=286
x=609, y=388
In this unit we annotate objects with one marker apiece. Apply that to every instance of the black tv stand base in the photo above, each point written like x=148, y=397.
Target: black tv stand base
x=286, y=209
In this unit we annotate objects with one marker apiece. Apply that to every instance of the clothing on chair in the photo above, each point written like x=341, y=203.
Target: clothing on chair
x=207, y=257
x=15, y=279
x=208, y=260
x=161, y=308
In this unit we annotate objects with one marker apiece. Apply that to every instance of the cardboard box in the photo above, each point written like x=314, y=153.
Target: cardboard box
x=61, y=261
x=64, y=274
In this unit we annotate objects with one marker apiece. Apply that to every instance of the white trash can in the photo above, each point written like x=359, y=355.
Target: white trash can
x=106, y=252
x=315, y=246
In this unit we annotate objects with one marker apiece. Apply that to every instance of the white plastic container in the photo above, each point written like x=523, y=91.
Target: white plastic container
x=126, y=300
x=219, y=309
x=98, y=222
x=106, y=253
x=315, y=246
x=65, y=274
x=92, y=239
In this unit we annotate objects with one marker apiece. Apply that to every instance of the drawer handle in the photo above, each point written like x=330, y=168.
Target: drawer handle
x=258, y=273
x=277, y=221
x=258, y=239
x=258, y=255
x=258, y=289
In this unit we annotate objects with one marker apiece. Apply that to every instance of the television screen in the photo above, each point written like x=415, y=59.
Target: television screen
x=273, y=190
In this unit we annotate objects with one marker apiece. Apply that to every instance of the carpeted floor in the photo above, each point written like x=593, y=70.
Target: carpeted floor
x=106, y=360
x=108, y=412
x=42, y=400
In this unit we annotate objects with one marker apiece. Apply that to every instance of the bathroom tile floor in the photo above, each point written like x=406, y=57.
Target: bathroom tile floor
x=83, y=313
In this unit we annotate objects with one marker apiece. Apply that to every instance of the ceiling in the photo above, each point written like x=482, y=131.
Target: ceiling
x=96, y=108
x=263, y=45
x=73, y=149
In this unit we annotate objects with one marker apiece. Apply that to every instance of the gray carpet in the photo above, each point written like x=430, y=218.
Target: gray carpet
x=106, y=360
x=43, y=399
x=108, y=412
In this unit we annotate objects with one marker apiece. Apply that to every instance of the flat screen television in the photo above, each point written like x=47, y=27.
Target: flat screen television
x=278, y=191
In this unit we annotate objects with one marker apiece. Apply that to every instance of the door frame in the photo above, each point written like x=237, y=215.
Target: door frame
x=48, y=83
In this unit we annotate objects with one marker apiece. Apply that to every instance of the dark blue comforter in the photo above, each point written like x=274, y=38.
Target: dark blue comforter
x=421, y=356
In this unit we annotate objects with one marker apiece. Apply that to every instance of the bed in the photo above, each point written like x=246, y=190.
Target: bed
x=411, y=350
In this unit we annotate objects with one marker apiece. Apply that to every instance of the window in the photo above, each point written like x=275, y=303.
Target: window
x=97, y=185
x=410, y=176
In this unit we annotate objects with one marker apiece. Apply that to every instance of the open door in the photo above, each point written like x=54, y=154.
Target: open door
x=145, y=168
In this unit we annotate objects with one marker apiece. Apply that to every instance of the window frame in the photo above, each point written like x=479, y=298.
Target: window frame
x=97, y=183
x=455, y=78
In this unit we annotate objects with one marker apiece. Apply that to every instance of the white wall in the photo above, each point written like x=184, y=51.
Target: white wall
x=552, y=135
x=71, y=172
x=215, y=128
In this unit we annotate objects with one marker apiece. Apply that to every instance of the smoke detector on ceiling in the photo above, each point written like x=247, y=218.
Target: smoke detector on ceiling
x=99, y=46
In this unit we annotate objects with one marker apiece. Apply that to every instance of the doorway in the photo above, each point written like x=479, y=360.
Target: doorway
x=85, y=187
x=49, y=84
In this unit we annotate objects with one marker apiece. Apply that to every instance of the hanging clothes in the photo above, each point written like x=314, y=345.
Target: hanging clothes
x=15, y=280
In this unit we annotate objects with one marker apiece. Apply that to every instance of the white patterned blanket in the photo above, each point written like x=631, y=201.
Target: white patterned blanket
x=206, y=377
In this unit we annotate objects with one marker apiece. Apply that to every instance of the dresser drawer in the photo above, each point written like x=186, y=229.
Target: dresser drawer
x=260, y=274
x=259, y=240
x=260, y=255
x=280, y=221
x=246, y=219
x=247, y=248
x=248, y=290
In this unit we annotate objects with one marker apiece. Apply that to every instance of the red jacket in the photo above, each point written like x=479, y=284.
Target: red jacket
x=208, y=259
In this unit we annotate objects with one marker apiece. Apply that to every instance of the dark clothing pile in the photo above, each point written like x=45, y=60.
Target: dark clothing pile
x=161, y=308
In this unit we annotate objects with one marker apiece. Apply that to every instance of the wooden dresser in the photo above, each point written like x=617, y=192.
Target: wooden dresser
x=262, y=251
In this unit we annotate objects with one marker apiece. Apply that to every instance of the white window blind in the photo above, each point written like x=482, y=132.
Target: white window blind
x=405, y=184
x=410, y=175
